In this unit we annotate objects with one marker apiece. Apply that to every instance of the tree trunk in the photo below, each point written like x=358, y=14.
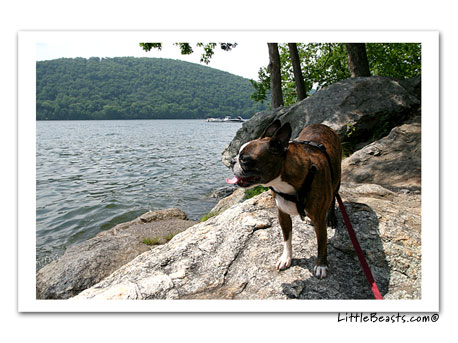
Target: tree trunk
x=298, y=78
x=357, y=59
x=275, y=75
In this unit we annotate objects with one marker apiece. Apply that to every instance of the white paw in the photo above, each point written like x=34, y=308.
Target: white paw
x=320, y=271
x=283, y=263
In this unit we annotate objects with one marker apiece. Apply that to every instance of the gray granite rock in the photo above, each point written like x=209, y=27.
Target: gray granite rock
x=393, y=161
x=87, y=263
x=233, y=255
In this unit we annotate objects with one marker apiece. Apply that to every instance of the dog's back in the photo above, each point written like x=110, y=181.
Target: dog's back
x=320, y=133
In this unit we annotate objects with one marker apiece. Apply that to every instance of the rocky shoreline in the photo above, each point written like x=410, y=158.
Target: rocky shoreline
x=232, y=254
x=89, y=262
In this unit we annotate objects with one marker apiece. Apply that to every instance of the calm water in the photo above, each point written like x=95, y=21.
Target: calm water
x=92, y=175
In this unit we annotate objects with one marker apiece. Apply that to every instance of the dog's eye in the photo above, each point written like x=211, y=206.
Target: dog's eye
x=246, y=160
x=243, y=158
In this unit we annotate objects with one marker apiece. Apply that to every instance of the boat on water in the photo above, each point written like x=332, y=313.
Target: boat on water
x=227, y=119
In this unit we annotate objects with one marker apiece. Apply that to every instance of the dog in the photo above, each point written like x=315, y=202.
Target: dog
x=304, y=176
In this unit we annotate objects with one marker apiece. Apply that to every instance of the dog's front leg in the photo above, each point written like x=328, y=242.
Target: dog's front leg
x=286, y=228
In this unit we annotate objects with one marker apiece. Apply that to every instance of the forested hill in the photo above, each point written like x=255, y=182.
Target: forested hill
x=139, y=88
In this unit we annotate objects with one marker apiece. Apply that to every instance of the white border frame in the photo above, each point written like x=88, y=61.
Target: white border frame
x=429, y=301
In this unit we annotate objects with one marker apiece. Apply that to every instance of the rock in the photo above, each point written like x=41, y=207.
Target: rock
x=393, y=161
x=233, y=255
x=236, y=197
x=168, y=213
x=355, y=108
x=87, y=263
x=413, y=85
x=223, y=192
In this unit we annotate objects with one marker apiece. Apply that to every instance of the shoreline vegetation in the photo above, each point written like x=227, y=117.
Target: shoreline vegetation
x=139, y=88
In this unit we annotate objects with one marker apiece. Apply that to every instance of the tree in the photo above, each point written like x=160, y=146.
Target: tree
x=398, y=60
x=323, y=64
x=298, y=78
x=358, y=64
x=186, y=48
x=275, y=75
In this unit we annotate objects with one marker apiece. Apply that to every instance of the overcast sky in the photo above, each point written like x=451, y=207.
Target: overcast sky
x=245, y=60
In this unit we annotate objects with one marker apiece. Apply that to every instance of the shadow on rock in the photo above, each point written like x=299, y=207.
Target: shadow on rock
x=346, y=279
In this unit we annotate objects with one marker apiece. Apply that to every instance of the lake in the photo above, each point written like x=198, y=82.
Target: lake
x=92, y=175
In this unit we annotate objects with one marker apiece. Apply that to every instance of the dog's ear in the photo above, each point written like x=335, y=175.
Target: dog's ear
x=270, y=130
x=280, y=139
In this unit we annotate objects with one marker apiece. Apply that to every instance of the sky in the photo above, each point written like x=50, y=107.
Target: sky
x=245, y=60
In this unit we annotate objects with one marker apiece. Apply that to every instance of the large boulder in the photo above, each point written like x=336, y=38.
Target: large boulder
x=358, y=109
x=233, y=255
x=393, y=161
x=87, y=263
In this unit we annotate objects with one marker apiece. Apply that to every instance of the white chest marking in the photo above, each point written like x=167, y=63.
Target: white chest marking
x=283, y=187
x=286, y=206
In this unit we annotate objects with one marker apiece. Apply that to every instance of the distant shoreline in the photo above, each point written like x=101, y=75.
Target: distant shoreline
x=136, y=88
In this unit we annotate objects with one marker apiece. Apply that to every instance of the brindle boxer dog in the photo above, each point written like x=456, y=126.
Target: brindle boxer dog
x=304, y=177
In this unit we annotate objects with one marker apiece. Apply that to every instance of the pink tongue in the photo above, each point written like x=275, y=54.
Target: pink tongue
x=233, y=181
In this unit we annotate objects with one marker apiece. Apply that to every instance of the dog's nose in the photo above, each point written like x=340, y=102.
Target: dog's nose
x=233, y=161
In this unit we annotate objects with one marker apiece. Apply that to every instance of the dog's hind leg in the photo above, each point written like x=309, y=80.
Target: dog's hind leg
x=332, y=218
x=286, y=228
x=321, y=268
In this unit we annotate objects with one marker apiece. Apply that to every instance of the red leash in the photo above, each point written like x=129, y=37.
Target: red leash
x=359, y=251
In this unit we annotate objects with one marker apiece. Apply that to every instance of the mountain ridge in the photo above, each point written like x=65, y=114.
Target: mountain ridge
x=139, y=88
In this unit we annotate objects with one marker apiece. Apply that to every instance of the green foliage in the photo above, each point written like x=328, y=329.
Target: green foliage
x=321, y=64
x=209, y=50
x=262, y=87
x=351, y=128
x=398, y=60
x=207, y=216
x=139, y=88
x=251, y=192
x=169, y=236
x=157, y=240
x=326, y=63
x=186, y=48
x=151, y=241
x=149, y=46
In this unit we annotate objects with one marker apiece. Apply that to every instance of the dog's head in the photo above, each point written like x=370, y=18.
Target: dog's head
x=261, y=160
